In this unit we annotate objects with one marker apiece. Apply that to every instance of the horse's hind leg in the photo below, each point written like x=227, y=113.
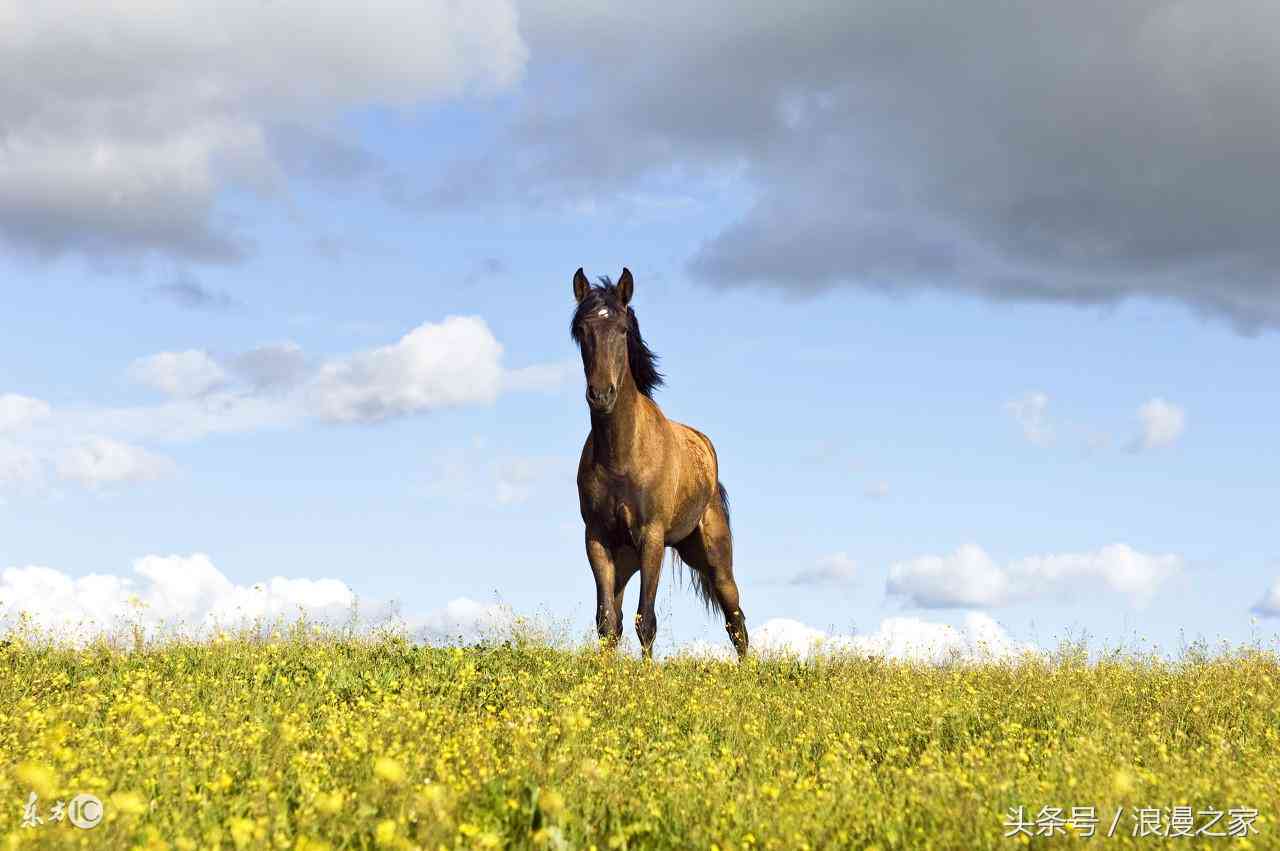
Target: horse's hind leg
x=709, y=550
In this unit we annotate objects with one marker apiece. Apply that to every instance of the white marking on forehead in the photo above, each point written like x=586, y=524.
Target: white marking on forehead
x=604, y=311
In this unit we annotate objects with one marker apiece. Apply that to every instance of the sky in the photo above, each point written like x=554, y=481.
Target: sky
x=978, y=305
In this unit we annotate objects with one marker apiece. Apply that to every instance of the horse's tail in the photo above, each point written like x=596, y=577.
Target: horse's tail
x=701, y=581
x=724, y=505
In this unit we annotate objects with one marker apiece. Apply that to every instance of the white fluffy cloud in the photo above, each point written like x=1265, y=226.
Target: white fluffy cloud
x=456, y=361
x=18, y=464
x=453, y=362
x=178, y=591
x=188, y=595
x=125, y=121
x=979, y=639
x=1029, y=411
x=99, y=461
x=32, y=443
x=967, y=577
x=467, y=620
x=18, y=412
x=833, y=569
x=189, y=373
x=971, y=578
x=1162, y=424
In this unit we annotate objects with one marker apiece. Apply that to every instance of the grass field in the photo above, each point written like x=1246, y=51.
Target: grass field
x=305, y=742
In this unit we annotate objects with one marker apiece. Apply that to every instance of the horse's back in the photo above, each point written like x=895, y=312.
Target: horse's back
x=699, y=454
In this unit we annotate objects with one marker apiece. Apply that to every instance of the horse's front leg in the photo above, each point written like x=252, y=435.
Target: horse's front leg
x=608, y=622
x=652, y=546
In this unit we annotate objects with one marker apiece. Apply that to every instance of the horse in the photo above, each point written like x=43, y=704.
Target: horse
x=645, y=482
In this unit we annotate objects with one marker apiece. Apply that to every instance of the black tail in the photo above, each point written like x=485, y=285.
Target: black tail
x=724, y=503
x=701, y=581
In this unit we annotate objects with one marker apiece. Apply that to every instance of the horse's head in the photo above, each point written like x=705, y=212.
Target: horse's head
x=601, y=327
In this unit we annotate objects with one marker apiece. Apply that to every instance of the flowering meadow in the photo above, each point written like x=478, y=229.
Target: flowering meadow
x=300, y=741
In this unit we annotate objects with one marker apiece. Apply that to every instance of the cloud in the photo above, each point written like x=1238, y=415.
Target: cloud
x=1029, y=412
x=193, y=295
x=125, y=146
x=229, y=411
x=969, y=578
x=26, y=451
x=32, y=440
x=1162, y=425
x=1269, y=605
x=453, y=362
x=911, y=639
x=272, y=366
x=1082, y=154
x=466, y=620
x=180, y=374
x=19, y=412
x=833, y=569
x=19, y=465
x=188, y=595
x=98, y=461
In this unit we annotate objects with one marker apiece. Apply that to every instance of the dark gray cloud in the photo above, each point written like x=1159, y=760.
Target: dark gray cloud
x=43, y=226
x=1077, y=152
x=122, y=149
x=193, y=295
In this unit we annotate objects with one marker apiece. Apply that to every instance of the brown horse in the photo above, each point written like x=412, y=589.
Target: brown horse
x=645, y=483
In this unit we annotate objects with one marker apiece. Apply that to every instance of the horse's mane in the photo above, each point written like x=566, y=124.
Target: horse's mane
x=643, y=362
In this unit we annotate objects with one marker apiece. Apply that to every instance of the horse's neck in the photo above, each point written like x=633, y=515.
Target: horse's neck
x=619, y=434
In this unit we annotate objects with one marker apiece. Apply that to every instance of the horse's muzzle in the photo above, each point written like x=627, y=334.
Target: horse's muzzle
x=602, y=400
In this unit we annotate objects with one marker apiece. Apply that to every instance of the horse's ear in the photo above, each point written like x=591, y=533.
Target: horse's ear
x=580, y=285
x=626, y=286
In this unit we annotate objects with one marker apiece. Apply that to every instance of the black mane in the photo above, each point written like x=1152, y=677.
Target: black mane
x=643, y=362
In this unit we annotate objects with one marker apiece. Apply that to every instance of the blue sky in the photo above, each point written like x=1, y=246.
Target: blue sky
x=941, y=391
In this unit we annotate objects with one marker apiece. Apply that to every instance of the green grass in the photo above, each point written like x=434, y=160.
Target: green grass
x=309, y=742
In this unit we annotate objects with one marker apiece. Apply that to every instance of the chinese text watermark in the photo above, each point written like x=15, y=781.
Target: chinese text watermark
x=84, y=812
x=1085, y=823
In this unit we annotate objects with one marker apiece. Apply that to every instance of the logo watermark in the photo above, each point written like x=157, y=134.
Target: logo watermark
x=84, y=812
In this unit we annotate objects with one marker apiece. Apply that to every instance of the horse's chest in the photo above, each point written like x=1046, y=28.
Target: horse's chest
x=613, y=508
